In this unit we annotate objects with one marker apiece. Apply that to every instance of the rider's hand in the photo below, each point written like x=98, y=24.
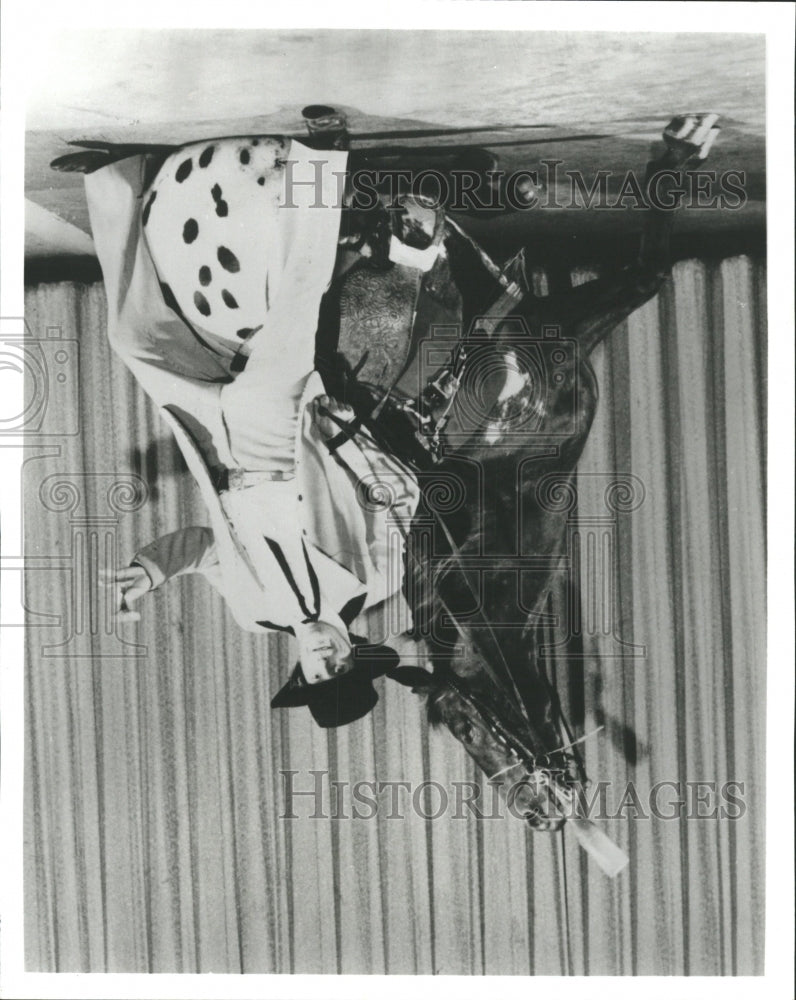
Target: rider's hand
x=129, y=585
x=324, y=409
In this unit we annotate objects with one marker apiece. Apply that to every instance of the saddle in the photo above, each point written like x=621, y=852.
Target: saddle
x=376, y=343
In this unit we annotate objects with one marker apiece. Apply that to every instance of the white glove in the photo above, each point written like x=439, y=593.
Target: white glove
x=129, y=585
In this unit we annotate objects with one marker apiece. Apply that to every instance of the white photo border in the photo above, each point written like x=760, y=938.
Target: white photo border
x=22, y=25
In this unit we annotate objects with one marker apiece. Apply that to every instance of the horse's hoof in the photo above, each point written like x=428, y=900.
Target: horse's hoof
x=691, y=135
x=326, y=123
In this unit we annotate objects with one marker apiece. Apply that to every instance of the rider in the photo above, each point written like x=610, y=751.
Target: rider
x=214, y=272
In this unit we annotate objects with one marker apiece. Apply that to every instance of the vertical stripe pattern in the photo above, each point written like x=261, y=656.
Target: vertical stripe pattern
x=160, y=785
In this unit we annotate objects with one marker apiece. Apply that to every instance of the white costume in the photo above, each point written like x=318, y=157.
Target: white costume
x=239, y=237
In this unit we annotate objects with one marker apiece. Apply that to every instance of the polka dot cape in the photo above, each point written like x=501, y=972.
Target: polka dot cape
x=206, y=222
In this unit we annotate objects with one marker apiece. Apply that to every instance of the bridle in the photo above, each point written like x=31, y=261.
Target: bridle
x=558, y=781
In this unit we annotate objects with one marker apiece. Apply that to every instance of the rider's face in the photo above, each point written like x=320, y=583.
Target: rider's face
x=324, y=653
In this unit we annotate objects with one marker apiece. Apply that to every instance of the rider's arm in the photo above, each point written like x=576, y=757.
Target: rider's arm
x=389, y=496
x=384, y=483
x=189, y=550
x=387, y=492
x=381, y=477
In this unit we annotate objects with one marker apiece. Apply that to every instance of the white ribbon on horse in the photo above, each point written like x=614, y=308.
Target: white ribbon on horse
x=611, y=858
x=598, y=845
x=423, y=260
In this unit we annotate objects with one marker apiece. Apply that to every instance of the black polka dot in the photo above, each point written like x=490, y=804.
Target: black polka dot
x=228, y=260
x=205, y=275
x=222, y=208
x=244, y=156
x=207, y=156
x=183, y=170
x=201, y=303
x=229, y=299
x=261, y=180
x=190, y=230
x=246, y=331
x=168, y=296
x=148, y=206
x=255, y=142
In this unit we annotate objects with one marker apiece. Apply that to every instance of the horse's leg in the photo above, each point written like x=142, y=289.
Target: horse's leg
x=591, y=311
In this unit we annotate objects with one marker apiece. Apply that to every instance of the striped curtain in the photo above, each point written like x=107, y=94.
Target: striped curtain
x=174, y=823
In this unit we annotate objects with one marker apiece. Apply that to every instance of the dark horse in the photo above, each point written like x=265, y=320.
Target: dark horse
x=486, y=391
x=494, y=436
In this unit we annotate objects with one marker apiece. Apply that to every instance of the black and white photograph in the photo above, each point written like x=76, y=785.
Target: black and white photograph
x=397, y=499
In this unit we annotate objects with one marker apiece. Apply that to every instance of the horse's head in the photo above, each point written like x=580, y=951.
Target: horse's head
x=526, y=760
